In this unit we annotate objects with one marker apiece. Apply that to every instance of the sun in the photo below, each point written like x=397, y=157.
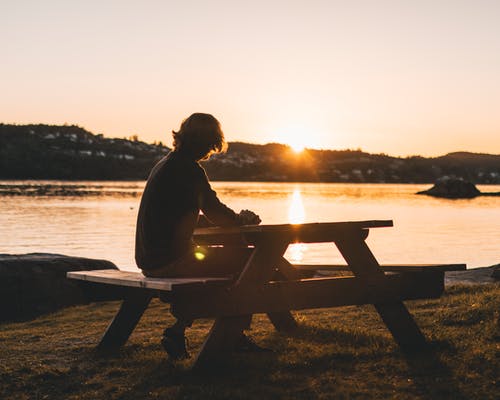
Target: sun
x=295, y=136
x=297, y=147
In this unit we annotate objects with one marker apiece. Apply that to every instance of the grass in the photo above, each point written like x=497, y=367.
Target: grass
x=339, y=353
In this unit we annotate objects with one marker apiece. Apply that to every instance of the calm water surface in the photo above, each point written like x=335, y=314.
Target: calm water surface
x=102, y=225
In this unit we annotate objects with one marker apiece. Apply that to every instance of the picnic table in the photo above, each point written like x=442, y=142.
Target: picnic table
x=270, y=284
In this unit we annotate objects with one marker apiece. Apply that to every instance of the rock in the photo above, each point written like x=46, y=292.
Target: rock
x=33, y=284
x=472, y=276
x=452, y=188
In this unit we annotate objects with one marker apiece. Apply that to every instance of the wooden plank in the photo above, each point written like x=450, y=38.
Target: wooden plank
x=125, y=320
x=138, y=280
x=385, y=267
x=297, y=236
x=305, y=233
x=280, y=296
x=278, y=228
x=394, y=314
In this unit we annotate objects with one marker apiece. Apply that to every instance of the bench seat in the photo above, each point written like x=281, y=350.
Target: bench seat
x=278, y=296
x=387, y=267
x=138, y=280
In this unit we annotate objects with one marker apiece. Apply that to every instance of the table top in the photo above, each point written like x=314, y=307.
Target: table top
x=309, y=232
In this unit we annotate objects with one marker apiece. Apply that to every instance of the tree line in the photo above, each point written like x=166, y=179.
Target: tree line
x=70, y=152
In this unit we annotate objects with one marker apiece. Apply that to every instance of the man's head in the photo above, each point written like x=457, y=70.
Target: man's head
x=199, y=136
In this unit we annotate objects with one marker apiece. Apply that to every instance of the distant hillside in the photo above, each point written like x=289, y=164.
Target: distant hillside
x=71, y=152
x=276, y=162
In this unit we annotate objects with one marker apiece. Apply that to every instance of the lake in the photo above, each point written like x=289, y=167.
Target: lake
x=97, y=219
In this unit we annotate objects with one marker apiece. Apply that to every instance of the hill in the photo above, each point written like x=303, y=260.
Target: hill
x=276, y=162
x=71, y=152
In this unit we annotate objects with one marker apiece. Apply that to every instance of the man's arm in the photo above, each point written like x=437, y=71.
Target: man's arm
x=216, y=211
x=220, y=214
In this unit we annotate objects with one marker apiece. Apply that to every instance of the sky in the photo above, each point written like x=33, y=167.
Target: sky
x=396, y=77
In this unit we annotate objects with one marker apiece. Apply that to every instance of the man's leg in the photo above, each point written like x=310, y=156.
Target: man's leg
x=202, y=262
x=174, y=338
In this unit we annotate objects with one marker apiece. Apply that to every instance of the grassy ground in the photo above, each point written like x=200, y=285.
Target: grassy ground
x=341, y=353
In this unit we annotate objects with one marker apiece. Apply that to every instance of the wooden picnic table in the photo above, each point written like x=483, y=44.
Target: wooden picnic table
x=270, y=284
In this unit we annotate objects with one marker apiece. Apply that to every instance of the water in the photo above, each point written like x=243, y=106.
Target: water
x=97, y=220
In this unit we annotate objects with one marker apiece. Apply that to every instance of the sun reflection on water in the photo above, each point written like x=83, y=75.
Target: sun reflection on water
x=296, y=212
x=296, y=215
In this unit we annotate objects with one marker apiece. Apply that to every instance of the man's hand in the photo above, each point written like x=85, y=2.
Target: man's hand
x=248, y=217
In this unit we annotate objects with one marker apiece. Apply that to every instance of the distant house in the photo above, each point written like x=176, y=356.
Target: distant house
x=72, y=136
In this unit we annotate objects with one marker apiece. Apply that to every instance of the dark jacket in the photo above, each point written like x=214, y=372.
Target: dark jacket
x=176, y=190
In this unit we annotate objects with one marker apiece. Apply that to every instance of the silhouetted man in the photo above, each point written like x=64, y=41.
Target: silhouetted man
x=176, y=191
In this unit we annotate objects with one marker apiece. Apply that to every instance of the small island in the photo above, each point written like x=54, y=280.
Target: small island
x=455, y=188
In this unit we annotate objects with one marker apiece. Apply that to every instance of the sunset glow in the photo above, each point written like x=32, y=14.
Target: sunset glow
x=224, y=161
x=331, y=75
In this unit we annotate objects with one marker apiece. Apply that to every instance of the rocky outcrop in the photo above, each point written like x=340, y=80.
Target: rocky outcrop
x=452, y=188
x=455, y=188
x=33, y=284
x=481, y=275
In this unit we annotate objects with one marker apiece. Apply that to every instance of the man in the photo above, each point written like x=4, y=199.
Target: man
x=176, y=191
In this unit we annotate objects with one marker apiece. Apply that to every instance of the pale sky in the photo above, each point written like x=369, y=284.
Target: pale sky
x=399, y=77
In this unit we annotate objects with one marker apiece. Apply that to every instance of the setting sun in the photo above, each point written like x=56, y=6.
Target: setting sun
x=297, y=147
x=296, y=135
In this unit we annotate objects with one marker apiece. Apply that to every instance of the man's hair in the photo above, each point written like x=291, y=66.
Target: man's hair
x=200, y=136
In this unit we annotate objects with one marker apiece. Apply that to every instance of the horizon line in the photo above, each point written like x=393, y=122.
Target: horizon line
x=258, y=144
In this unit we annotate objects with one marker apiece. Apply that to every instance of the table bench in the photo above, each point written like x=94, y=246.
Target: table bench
x=270, y=284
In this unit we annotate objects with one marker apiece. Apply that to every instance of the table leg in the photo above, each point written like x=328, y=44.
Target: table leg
x=125, y=320
x=284, y=321
x=395, y=315
x=227, y=330
x=221, y=339
x=270, y=254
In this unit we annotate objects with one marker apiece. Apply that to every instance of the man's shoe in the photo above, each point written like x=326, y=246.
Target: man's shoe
x=246, y=344
x=174, y=344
